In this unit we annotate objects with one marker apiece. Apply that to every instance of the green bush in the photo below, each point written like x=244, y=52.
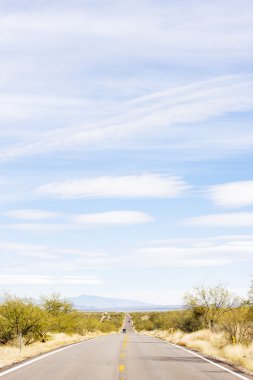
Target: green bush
x=238, y=325
x=21, y=317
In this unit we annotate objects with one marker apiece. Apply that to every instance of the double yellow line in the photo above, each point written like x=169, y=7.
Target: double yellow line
x=122, y=356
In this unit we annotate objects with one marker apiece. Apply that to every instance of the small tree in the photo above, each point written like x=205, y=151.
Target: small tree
x=55, y=305
x=188, y=321
x=237, y=325
x=211, y=303
x=21, y=316
x=61, y=316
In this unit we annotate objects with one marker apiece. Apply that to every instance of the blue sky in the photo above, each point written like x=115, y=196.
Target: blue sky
x=126, y=147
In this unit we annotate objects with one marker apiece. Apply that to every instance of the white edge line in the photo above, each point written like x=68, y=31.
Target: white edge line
x=6, y=372
x=43, y=356
x=205, y=359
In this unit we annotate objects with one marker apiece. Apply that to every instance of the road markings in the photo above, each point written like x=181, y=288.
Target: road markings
x=124, y=344
x=31, y=361
x=122, y=357
x=207, y=360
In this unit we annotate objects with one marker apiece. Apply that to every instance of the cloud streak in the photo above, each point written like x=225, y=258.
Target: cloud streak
x=52, y=109
x=165, y=30
x=132, y=186
x=163, y=111
x=199, y=252
x=32, y=214
x=113, y=218
x=234, y=194
x=48, y=280
x=239, y=219
x=74, y=222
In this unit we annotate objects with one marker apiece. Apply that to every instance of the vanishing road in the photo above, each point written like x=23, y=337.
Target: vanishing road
x=120, y=357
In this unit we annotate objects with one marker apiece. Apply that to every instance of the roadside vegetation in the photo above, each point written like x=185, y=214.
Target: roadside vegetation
x=28, y=328
x=214, y=321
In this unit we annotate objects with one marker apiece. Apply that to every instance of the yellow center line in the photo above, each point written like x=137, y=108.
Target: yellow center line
x=122, y=356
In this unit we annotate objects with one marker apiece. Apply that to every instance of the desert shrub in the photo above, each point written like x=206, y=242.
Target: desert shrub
x=21, y=317
x=60, y=314
x=237, y=325
x=211, y=303
x=188, y=321
x=157, y=320
x=104, y=322
x=35, y=322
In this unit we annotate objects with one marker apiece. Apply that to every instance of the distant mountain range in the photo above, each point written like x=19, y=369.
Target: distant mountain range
x=91, y=302
x=88, y=302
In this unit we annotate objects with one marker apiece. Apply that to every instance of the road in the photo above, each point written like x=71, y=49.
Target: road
x=127, y=356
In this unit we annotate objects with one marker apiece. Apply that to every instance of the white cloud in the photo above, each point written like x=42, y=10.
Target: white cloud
x=74, y=222
x=239, y=219
x=28, y=279
x=135, y=186
x=32, y=214
x=23, y=107
x=41, y=227
x=113, y=218
x=234, y=194
x=62, y=262
x=23, y=248
x=55, y=42
x=22, y=259
x=163, y=111
x=194, y=253
x=81, y=221
x=192, y=240
x=219, y=27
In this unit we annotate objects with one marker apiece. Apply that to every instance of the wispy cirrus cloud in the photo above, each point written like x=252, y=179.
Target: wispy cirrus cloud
x=74, y=221
x=23, y=248
x=164, y=111
x=26, y=259
x=236, y=219
x=131, y=186
x=41, y=227
x=26, y=107
x=198, y=252
x=233, y=194
x=60, y=262
x=32, y=214
x=113, y=218
x=28, y=279
x=58, y=41
x=154, y=28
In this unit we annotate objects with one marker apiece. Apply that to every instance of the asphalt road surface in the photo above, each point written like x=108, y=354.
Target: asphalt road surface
x=121, y=356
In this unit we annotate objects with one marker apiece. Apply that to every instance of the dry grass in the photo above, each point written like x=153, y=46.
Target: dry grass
x=11, y=354
x=212, y=344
